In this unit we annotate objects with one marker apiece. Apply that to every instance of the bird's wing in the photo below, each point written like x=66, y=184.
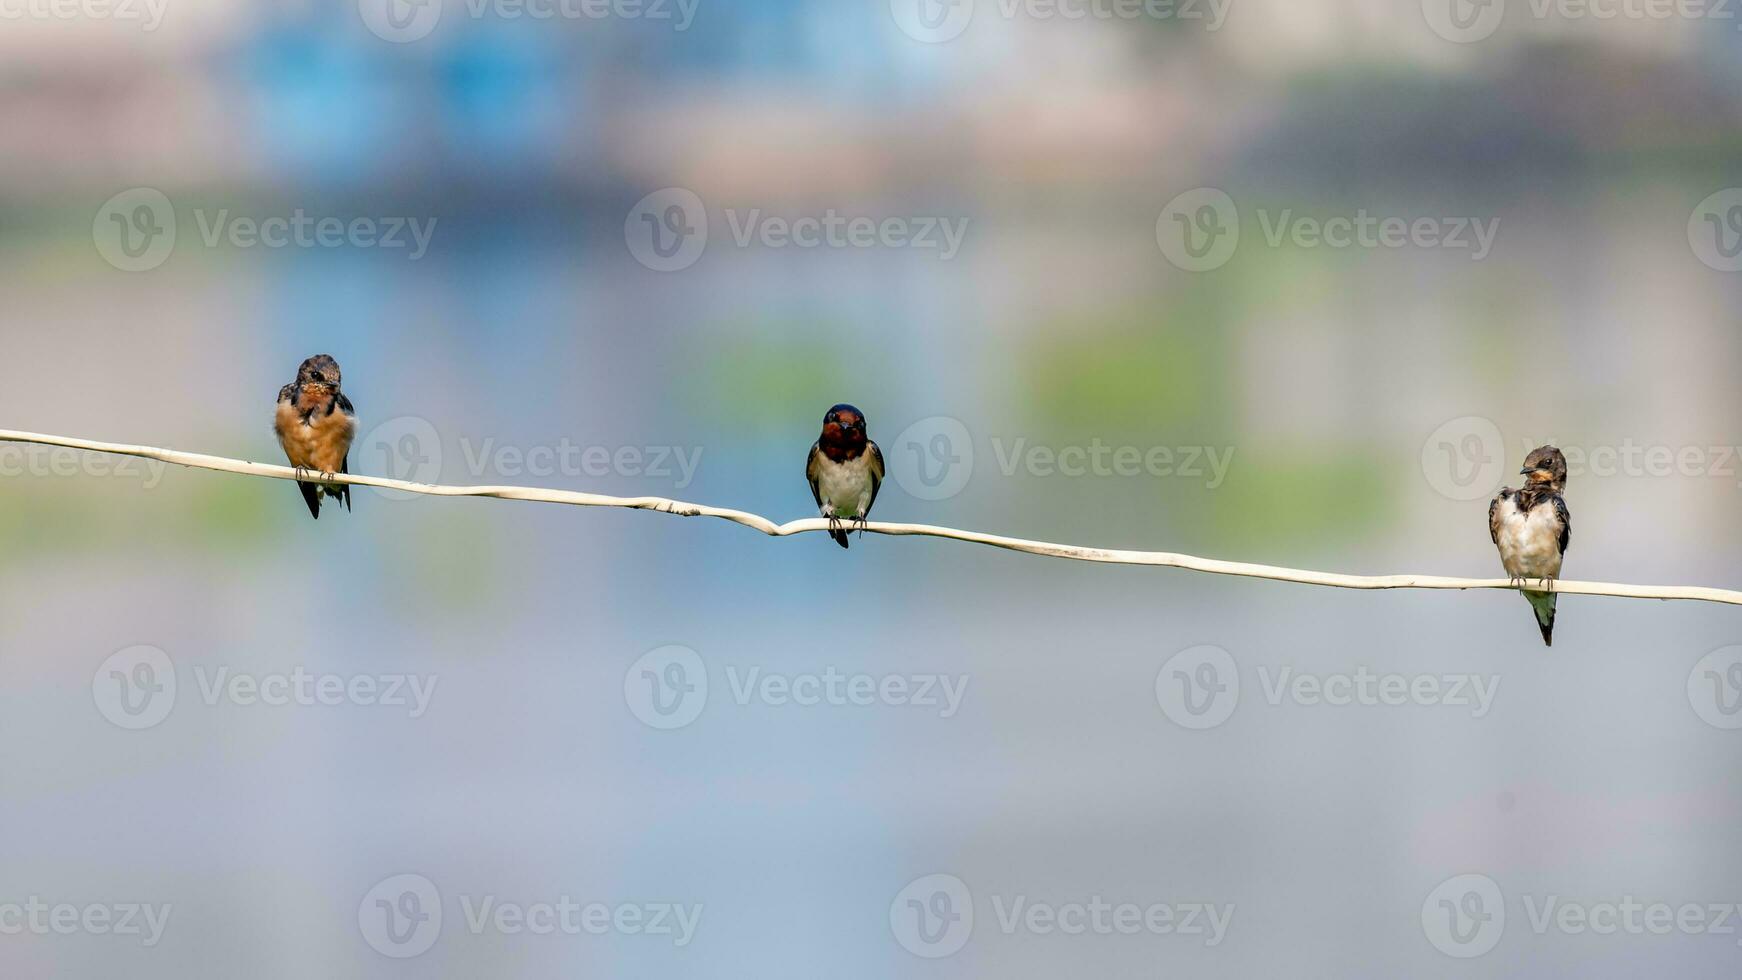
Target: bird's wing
x=813, y=470
x=876, y=469
x=1566, y=519
x=1494, y=515
x=345, y=405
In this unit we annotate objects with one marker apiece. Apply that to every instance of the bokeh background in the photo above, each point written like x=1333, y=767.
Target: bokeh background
x=1367, y=401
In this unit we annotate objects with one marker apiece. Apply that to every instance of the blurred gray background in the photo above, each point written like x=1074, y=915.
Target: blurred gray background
x=568, y=323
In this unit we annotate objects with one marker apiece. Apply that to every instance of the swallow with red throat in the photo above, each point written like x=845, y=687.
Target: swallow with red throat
x=845, y=469
x=315, y=424
x=1531, y=528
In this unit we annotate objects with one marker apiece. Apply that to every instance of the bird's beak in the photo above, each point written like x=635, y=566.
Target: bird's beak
x=1527, y=471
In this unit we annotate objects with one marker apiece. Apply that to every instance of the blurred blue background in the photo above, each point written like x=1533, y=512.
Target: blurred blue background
x=1365, y=401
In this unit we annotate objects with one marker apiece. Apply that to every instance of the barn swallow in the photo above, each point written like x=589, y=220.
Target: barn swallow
x=1531, y=528
x=315, y=424
x=845, y=469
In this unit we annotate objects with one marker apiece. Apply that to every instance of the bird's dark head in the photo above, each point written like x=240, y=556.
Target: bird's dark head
x=1545, y=466
x=320, y=369
x=844, y=429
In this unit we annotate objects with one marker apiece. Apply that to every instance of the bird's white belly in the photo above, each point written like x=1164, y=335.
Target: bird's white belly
x=845, y=488
x=1530, y=543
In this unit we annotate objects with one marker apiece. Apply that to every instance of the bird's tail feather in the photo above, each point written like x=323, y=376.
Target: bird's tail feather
x=1542, y=603
x=840, y=537
x=311, y=495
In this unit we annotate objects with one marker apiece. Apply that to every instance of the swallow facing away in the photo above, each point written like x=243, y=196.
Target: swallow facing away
x=1531, y=528
x=845, y=469
x=315, y=424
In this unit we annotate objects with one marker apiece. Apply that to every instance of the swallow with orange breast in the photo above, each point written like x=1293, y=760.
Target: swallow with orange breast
x=845, y=469
x=1531, y=528
x=315, y=424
